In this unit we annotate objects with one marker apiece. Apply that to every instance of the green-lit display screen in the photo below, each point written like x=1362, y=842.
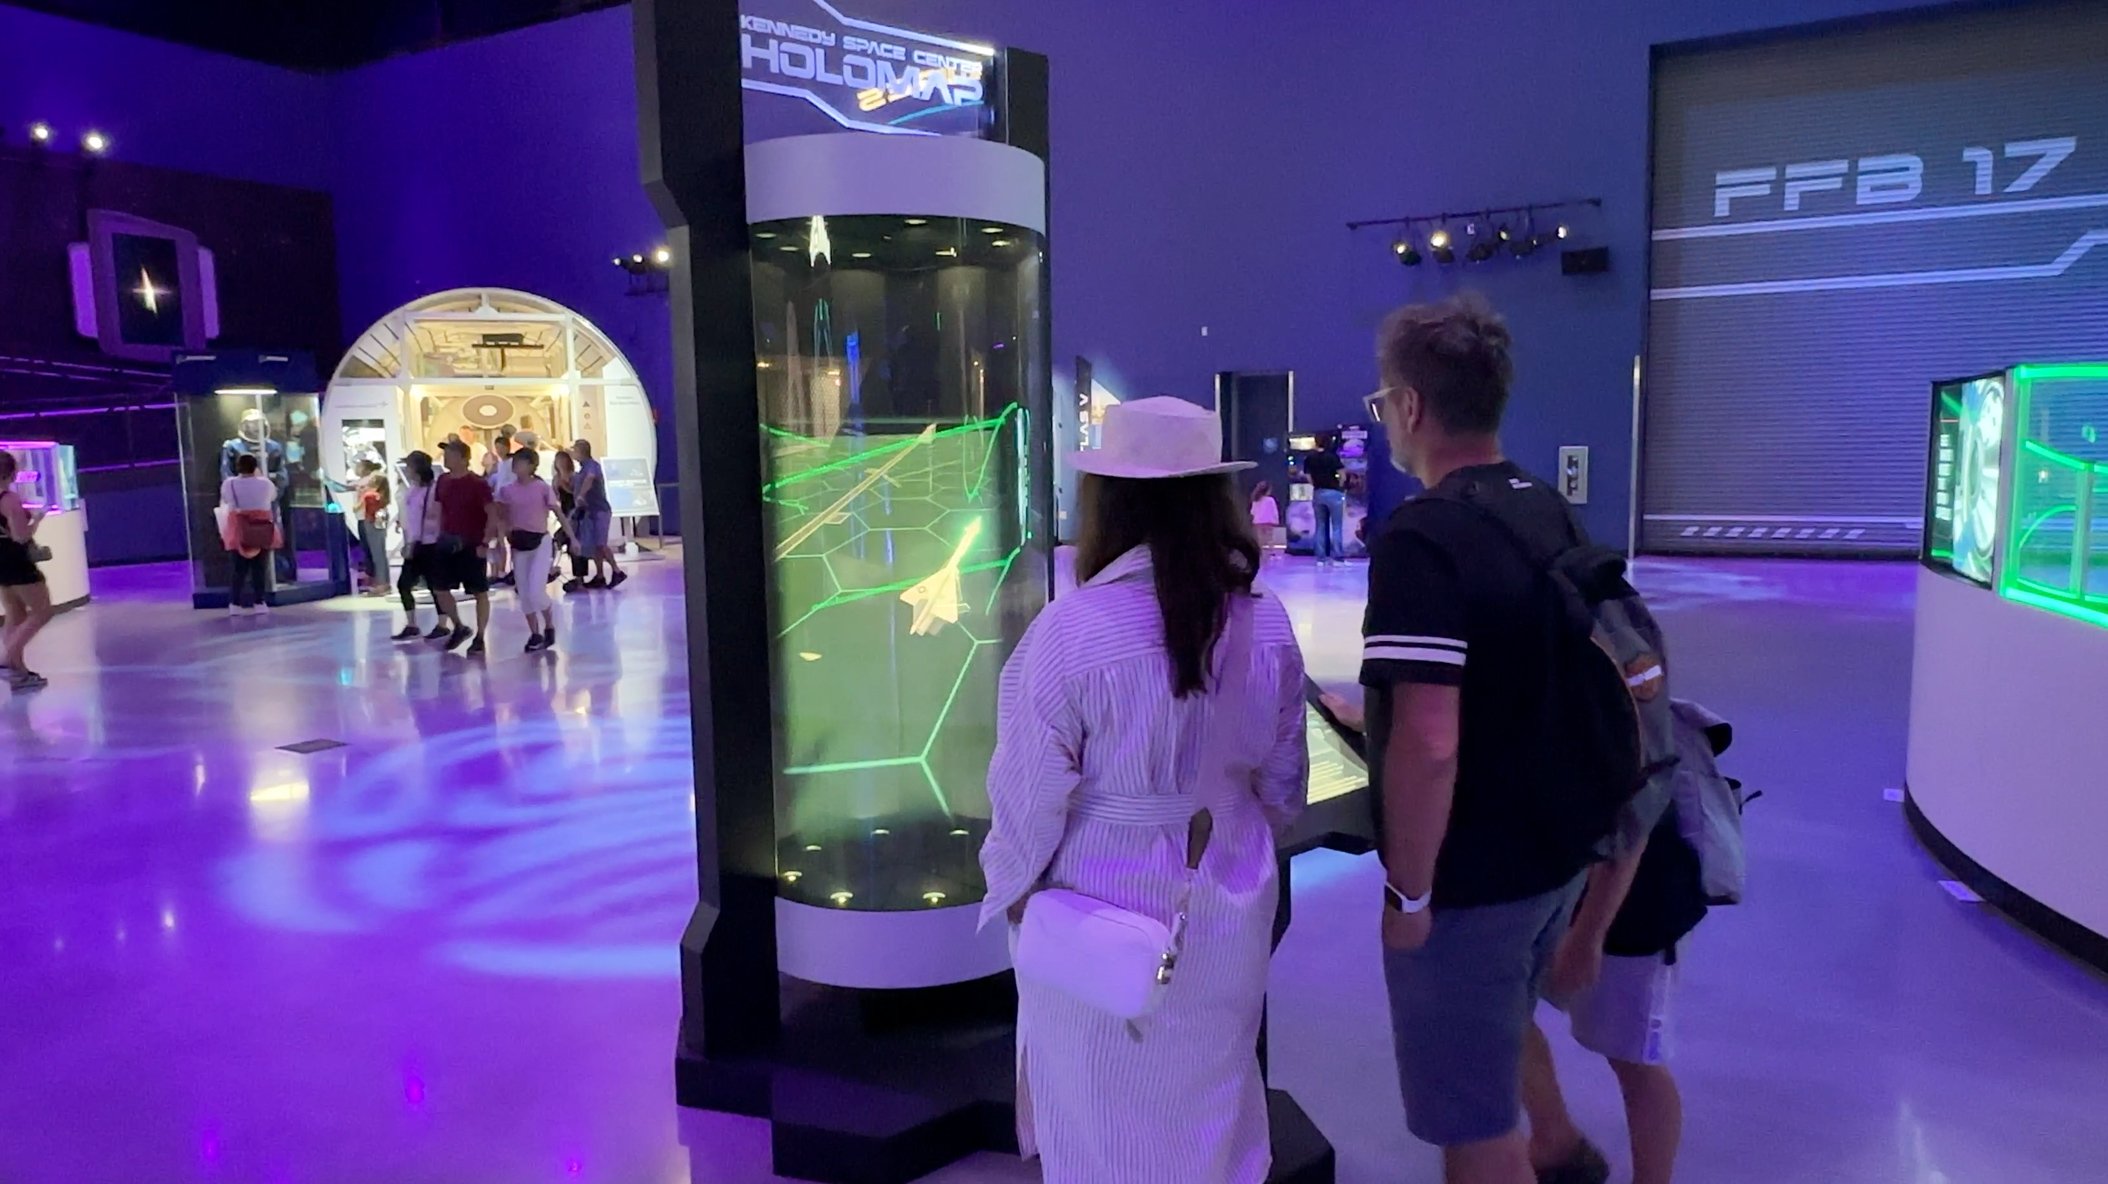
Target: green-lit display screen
x=899, y=360
x=1962, y=489
x=2058, y=521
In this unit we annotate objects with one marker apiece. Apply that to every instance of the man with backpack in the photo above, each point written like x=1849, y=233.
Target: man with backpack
x=1511, y=676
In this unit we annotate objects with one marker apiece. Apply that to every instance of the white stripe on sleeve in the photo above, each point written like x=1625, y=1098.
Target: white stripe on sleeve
x=1447, y=643
x=1407, y=653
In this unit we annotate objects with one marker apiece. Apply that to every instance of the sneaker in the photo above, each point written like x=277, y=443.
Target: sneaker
x=1585, y=1166
x=573, y=584
x=23, y=681
x=505, y=581
x=407, y=633
x=475, y=648
x=620, y=576
x=458, y=636
x=536, y=644
x=262, y=610
x=596, y=583
x=235, y=610
x=549, y=638
x=440, y=632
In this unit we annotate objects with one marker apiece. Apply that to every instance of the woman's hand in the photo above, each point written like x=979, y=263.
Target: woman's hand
x=1346, y=713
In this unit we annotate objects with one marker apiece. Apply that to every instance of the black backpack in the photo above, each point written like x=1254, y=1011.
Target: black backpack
x=1607, y=693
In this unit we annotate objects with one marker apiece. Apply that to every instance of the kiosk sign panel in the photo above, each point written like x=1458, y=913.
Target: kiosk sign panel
x=864, y=75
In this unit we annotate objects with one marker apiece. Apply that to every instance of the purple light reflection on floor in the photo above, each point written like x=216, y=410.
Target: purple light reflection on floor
x=446, y=952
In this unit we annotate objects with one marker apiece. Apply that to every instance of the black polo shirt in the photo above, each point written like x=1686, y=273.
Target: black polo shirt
x=1454, y=602
x=1323, y=469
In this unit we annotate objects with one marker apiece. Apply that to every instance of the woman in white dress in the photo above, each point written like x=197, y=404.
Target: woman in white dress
x=1137, y=728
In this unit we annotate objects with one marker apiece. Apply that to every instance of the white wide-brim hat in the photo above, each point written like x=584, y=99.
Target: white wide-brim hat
x=1159, y=438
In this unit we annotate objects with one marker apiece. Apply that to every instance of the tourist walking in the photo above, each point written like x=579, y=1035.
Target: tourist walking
x=527, y=502
x=595, y=517
x=1149, y=745
x=23, y=593
x=421, y=531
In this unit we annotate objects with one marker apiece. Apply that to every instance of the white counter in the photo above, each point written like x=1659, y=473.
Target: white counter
x=66, y=572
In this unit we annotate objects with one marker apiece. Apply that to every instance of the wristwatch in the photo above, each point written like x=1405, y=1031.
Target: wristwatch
x=1394, y=899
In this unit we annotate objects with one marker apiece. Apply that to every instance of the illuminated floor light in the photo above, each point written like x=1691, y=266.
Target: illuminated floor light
x=841, y=897
x=812, y=846
x=933, y=898
x=792, y=877
x=809, y=656
x=881, y=831
x=961, y=832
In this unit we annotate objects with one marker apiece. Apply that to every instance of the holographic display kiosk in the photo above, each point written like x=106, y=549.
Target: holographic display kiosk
x=2007, y=752
x=861, y=341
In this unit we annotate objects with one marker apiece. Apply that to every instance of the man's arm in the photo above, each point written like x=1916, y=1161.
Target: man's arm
x=1419, y=782
x=1579, y=960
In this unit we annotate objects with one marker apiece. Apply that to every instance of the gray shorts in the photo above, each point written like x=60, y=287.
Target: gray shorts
x=590, y=530
x=1459, y=1007
x=1626, y=1014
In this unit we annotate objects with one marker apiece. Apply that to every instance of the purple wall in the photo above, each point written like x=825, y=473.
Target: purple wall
x=163, y=104
x=509, y=162
x=1206, y=159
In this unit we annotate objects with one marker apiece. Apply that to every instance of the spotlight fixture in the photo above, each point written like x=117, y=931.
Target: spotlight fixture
x=95, y=143
x=1564, y=231
x=40, y=132
x=1438, y=244
x=662, y=256
x=1480, y=251
x=1523, y=241
x=1407, y=256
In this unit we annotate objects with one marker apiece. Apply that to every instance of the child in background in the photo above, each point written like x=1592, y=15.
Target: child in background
x=1266, y=520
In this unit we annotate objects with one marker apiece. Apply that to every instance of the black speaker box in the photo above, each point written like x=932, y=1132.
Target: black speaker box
x=1588, y=261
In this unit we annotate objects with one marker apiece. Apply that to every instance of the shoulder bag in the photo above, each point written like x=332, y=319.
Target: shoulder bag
x=1118, y=960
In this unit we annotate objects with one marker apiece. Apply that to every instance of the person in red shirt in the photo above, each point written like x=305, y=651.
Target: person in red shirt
x=464, y=533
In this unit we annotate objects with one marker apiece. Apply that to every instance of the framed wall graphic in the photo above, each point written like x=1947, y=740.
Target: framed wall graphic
x=142, y=289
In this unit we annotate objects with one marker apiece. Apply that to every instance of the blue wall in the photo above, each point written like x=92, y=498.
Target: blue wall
x=164, y=104
x=1206, y=160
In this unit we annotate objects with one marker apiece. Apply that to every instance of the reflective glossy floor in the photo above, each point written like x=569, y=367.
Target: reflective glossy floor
x=445, y=951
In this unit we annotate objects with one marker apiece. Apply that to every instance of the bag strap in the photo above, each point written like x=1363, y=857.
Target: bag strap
x=1233, y=653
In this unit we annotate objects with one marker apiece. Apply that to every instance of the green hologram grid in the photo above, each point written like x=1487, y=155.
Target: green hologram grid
x=892, y=550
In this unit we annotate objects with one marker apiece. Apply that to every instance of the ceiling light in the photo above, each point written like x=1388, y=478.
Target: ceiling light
x=764, y=234
x=916, y=221
x=1563, y=231
x=859, y=254
x=991, y=230
x=1438, y=245
x=951, y=251
x=1001, y=242
x=662, y=256
x=636, y=258
x=40, y=132
x=1407, y=256
x=1439, y=240
x=788, y=247
x=1502, y=234
x=95, y=143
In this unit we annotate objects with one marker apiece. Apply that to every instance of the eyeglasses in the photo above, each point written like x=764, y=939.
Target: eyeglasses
x=1375, y=402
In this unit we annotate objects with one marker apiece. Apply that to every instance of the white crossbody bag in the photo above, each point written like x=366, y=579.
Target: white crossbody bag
x=1114, y=959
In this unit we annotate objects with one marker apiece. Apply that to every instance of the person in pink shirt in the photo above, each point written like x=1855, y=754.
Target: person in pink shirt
x=528, y=501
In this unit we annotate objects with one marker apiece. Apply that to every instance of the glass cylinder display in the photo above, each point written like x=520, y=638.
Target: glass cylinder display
x=902, y=367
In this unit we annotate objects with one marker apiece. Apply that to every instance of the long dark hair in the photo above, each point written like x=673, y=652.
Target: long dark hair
x=417, y=466
x=1200, y=542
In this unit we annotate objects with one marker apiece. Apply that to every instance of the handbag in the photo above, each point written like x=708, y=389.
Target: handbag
x=256, y=530
x=1115, y=959
x=525, y=540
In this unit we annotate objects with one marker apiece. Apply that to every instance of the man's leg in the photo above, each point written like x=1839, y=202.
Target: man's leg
x=443, y=600
x=482, y=613
x=1654, y=1113
x=1554, y=1139
x=1460, y=1008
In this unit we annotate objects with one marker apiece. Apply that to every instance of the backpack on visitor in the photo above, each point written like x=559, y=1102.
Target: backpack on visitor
x=1708, y=805
x=1609, y=685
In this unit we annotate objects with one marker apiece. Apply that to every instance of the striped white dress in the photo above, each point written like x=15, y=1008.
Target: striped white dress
x=1087, y=729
